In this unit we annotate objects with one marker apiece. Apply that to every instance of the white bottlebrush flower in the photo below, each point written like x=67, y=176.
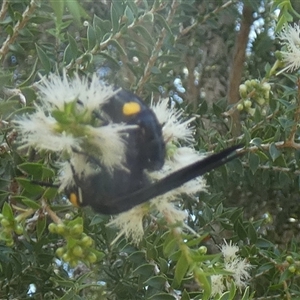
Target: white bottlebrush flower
x=289, y=37
x=63, y=120
x=81, y=166
x=240, y=269
x=235, y=264
x=38, y=130
x=217, y=285
x=174, y=128
x=55, y=91
x=108, y=139
x=68, y=121
x=130, y=223
x=229, y=251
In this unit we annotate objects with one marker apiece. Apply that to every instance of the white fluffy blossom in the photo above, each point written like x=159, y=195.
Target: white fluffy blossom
x=174, y=127
x=289, y=37
x=229, y=251
x=130, y=223
x=55, y=91
x=63, y=122
x=233, y=263
x=217, y=285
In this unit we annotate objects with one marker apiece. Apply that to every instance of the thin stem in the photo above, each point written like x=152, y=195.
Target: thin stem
x=51, y=213
x=157, y=48
x=16, y=30
x=3, y=9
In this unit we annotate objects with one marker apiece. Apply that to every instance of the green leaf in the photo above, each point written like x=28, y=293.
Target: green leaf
x=31, y=204
x=203, y=108
x=284, y=179
x=240, y=230
x=45, y=61
x=162, y=296
x=147, y=37
x=157, y=282
x=237, y=166
x=155, y=70
x=246, y=294
x=265, y=267
x=163, y=265
x=137, y=257
x=114, y=16
x=145, y=271
x=247, y=135
x=91, y=38
x=73, y=46
x=40, y=227
x=232, y=291
x=38, y=171
x=118, y=46
x=253, y=162
x=204, y=281
x=7, y=212
x=274, y=152
x=180, y=269
x=76, y=11
x=30, y=187
x=103, y=25
x=217, y=109
x=129, y=15
x=76, y=221
x=170, y=246
x=58, y=8
x=256, y=141
x=133, y=7
x=31, y=76
x=263, y=243
x=185, y=295
x=160, y=19
x=252, y=234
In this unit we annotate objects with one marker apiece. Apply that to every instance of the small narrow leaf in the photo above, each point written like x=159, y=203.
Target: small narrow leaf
x=31, y=204
x=91, y=37
x=274, y=152
x=45, y=61
x=181, y=269
x=253, y=162
x=40, y=227
x=7, y=212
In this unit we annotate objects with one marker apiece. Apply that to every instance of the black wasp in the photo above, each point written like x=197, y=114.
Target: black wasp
x=122, y=189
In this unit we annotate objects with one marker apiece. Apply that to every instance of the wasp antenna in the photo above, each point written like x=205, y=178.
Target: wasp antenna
x=43, y=183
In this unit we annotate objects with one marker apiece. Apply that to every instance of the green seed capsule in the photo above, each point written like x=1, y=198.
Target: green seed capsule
x=52, y=228
x=77, y=251
x=92, y=258
x=60, y=252
x=61, y=229
x=76, y=230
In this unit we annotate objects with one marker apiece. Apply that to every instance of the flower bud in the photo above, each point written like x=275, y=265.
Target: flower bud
x=260, y=101
x=247, y=103
x=292, y=269
x=203, y=250
x=240, y=107
x=243, y=90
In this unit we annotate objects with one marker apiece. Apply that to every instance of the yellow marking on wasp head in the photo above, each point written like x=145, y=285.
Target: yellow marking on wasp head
x=131, y=108
x=75, y=199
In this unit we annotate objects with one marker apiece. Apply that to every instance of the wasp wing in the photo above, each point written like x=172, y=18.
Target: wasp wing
x=172, y=181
